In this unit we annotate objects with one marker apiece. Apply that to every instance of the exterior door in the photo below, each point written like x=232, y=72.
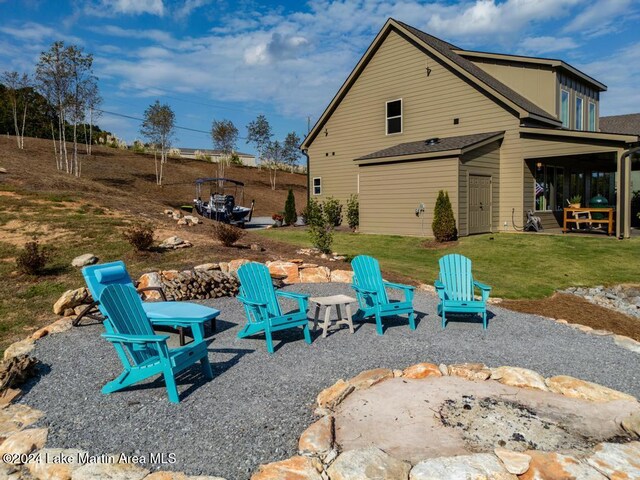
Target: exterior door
x=479, y=204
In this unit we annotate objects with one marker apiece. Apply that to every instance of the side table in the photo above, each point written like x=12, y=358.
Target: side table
x=337, y=301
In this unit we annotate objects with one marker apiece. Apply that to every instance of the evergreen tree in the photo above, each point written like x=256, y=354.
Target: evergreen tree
x=444, y=223
x=290, y=214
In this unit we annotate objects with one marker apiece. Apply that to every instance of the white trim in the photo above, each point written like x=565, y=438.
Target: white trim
x=313, y=185
x=387, y=118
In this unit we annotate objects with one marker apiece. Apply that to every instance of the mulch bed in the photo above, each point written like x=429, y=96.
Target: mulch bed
x=577, y=310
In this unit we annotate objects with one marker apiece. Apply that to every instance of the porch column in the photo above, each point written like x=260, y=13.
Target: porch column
x=623, y=200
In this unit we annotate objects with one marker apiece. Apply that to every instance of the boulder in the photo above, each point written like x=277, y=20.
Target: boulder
x=70, y=299
x=234, y=265
x=256, y=247
x=192, y=219
x=519, y=377
x=9, y=396
x=84, y=260
x=368, y=464
x=558, y=466
x=317, y=439
x=576, y=388
x=342, y=276
x=422, y=370
x=332, y=396
x=174, y=242
x=16, y=370
x=626, y=342
x=631, y=423
x=315, y=275
x=23, y=347
x=369, y=378
x=61, y=325
x=207, y=267
x=470, y=371
x=152, y=279
x=616, y=461
x=15, y=417
x=287, y=269
x=294, y=468
x=111, y=471
x=62, y=463
x=23, y=442
x=514, y=462
x=3, y=170
x=480, y=466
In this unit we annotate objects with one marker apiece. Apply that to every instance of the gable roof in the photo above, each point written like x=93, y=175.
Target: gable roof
x=437, y=147
x=629, y=124
x=446, y=53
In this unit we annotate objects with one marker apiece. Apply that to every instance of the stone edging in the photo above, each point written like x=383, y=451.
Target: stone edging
x=319, y=457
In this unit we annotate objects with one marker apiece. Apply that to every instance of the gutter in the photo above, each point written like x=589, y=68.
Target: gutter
x=305, y=152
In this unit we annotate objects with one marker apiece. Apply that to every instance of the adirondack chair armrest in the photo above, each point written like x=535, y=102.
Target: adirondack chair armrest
x=363, y=291
x=302, y=298
x=250, y=303
x=485, y=289
x=134, y=339
x=439, y=288
x=153, y=289
x=398, y=286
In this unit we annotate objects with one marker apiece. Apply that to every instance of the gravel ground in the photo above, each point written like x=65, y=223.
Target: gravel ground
x=257, y=405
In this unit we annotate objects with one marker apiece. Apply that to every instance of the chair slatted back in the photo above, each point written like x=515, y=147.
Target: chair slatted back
x=126, y=315
x=455, y=274
x=256, y=285
x=98, y=277
x=367, y=275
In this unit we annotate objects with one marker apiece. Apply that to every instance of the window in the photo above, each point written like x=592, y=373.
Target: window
x=579, y=113
x=549, y=187
x=317, y=185
x=394, y=117
x=592, y=117
x=564, y=108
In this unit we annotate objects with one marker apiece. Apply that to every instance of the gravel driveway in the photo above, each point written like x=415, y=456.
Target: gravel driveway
x=257, y=405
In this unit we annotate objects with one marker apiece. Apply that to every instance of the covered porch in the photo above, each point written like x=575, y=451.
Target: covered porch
x=589, y=168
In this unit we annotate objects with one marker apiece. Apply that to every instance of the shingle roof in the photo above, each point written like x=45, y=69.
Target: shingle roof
x=423, y=146
x=629, y=124
x=446, y=49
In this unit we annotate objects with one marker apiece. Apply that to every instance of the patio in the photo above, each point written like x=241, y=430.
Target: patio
x=257, y=405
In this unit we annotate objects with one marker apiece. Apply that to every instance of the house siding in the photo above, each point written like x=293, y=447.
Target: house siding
x=390, y=194
x=430, y=103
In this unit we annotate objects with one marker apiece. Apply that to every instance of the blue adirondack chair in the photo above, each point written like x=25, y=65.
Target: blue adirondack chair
x=371, y=292
x=144, y=353
x=178, y=315
x=456, y=287
x=260, y=301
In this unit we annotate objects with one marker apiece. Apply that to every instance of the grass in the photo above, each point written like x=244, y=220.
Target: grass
x=517, y=266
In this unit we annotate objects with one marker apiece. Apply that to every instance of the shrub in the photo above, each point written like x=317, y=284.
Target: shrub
x=227, y=234
x=312, y=212
x=322, y=236
x=32, y=259
x=140, y=236
x=353, y=212
x=235, y=160
x=290, y=214
x=444, y=223
x=333, y=211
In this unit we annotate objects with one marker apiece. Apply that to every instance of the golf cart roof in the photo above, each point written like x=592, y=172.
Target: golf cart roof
x=200, y=181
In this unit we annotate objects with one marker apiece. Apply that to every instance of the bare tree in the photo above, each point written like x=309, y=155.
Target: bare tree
x=17, y=86
x=291, y=148
x=259, y=134
x=273, y=158
x=224, y=135
x=93, y=101
x=159, y=128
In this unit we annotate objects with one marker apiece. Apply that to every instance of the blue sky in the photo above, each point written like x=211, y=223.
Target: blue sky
x=220, y=59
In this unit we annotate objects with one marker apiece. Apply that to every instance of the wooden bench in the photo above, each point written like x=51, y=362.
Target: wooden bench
x=576, y=216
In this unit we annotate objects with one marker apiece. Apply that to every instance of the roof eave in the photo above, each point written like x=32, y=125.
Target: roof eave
x=615, y=137
x=404, y=158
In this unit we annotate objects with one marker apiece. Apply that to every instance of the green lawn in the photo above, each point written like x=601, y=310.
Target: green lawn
x=517, y=266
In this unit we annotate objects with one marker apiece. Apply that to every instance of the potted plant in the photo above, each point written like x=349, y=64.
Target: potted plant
x=574, y=202
x=277, y=219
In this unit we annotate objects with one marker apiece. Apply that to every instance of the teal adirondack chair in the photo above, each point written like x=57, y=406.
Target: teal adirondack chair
x=260, y=301
x=455, y=288
x=144, y=353
x=371, y=292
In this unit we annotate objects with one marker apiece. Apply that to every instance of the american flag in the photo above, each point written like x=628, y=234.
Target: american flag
x=539, y=189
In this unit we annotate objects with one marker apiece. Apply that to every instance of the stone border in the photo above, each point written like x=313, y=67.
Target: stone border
x=319, y=457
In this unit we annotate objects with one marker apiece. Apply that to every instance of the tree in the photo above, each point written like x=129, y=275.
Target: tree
x=159, y=127
x=291, y=150
x=224, y=135
x=444, y=223
x=259, y=134
x=290, y=214
x=273, y=158
x=17, y=91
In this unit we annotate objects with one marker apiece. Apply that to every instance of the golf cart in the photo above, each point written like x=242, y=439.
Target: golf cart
x=220, y=202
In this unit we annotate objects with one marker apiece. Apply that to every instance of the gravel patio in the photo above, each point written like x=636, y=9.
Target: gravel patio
x=257, y=405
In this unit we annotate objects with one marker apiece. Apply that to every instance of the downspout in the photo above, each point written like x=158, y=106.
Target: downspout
x=305, y=152
x=625, y=210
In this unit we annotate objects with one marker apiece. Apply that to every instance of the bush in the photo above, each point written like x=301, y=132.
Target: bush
x=444, y=223
x=333, y=211
x=235, y=160
x=140, y=236
x=322, y=236
x=290, y=214
x=312, y=212
x=353, y=212
x=32, y=259
x=227, y=234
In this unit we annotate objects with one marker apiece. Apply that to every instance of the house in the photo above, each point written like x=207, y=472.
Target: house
x=214, y=155
x=503, y=134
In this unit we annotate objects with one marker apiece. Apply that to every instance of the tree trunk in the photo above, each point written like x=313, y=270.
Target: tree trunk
x=24, y=121
x=74, y=165
x=55, y=150
x=14, y=107
x=90, y=130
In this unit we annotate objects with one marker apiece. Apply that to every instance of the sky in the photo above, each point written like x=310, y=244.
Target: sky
x=218, y=59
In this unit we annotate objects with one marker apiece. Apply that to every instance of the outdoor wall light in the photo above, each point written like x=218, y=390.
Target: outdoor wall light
x=428, y=71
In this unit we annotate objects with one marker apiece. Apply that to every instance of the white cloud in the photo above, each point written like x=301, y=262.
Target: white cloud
x=188, y=7
x=542, y=45
x=598, y=17
x=159, y=36
x=135, y=7
x=30, y=32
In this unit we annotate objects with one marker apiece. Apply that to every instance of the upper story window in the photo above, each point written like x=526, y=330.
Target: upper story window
x=564, y=108
x=592, y=117
x=579, y=113
x=394, y=116
x=317, y=185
